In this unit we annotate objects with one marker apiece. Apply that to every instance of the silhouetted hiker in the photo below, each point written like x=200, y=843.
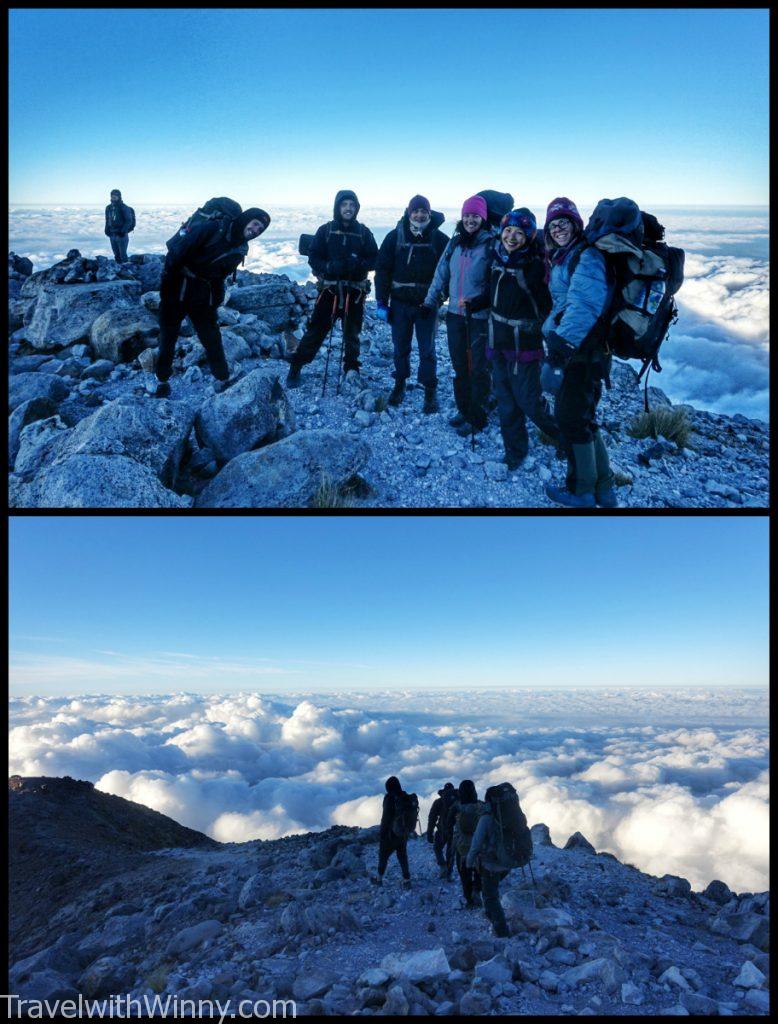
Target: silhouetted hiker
x=398, y=821
x=119, y=222
x=501, y=842
x=209, y=247
x=437, y=832
x=464, y=815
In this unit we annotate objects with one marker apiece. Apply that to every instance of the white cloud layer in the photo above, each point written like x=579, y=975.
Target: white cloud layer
x=687, y=794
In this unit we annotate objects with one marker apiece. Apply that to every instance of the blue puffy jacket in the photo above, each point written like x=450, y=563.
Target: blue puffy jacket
x=580, y=300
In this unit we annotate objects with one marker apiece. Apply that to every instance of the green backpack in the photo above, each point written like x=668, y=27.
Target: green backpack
x=512, y=842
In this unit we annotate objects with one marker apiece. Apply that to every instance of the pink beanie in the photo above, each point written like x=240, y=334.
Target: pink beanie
x=476, y=205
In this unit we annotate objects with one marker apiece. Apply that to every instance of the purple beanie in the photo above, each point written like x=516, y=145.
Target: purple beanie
x=419, y=203
x=476, y=205
x=564, y=207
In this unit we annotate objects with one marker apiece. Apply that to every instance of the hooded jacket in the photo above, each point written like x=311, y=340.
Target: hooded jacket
x=406, y=261
x=393, y=788
x=208, y=251
x=518, y=292
x=118, y=219
x=578, y=299
x=343, y=252
x=439, y=809
x=462, y=272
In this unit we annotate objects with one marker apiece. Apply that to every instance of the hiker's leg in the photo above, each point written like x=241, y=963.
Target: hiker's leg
x=529, y=395
x=402, y=856
x=573, y=410
x=490, y=885
x=317, y=330
x=115, y=247
x=437, y=846
x=457, y=349
x=123, y=243
x=464, y=877
x=481, y=381
x=203, y=319
x=450, y=851
x=402, y=338
x=352, y=325
x=426, y=327
x=512, y=425
x=384, y=849
x=171, y=315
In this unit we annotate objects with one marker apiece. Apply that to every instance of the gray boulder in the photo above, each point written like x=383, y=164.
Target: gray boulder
x=286, y=474
x=64, y=314
x=235, y=347
x=673, y=885
x=602, y=969
x=147, y=268
x=25, y=413
x=96, y=481
x=423, y=965
x=119, y=335
x=45, y=985
x=253, y=892
x=101, y=369
x=540, y=835
x=189, y=938
x=24, y=387
x=36, y=443
x=579, y=842
x=310, y=984
x=269, y=296
x=244, y=416
x=107, y=976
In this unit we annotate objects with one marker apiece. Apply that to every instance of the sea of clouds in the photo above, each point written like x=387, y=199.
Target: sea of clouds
x=717, y=357
x=668, y=780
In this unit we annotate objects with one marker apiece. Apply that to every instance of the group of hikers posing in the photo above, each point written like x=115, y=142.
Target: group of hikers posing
x=485, y=839
x=528, y=311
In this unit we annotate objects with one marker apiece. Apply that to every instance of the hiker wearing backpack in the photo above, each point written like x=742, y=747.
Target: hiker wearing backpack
x=210, y=246
x=341, y=255
x=437, y=828
x=465, y=813
x=577, y=360
x=396, y=826
x=462, y=275
x=501, y=842
x=406, y=264
x=519, y=302
x=119, y=222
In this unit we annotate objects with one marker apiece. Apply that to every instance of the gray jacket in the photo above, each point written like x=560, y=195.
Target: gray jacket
x=463, y=273
x=483, y=841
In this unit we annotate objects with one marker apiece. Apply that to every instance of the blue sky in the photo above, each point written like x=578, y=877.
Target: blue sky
x=132, y=605
x=284, y=107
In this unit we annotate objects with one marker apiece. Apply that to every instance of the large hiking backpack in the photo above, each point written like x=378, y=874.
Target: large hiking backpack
x=497, y=205
x=406, y=814
x=220, y=209
x=647, y=274
x=512, y=844
x=132, y=219
x=467, y=822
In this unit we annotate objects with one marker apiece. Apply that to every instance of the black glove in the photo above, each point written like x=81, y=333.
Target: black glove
x=425, y=311
x=559, y=351
x=479, y=303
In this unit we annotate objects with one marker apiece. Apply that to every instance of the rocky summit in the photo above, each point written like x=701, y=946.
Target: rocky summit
x=162, y=911
x=85, y=433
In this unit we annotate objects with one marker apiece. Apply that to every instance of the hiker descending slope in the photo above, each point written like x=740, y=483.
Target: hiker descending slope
x=437, y=830
x=119, y=222
x=462, y=275
x=398, y=820
x=501, y=842
x=519, y=303
x=208, y=247
x=341, y=255
x=466, y=812
x=406, y=264
x=577, y=360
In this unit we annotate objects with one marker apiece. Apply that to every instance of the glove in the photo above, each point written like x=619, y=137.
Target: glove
x=479, y=303
x=383, y=312
x=425, y=311
x=559, y=350
x=336, y=269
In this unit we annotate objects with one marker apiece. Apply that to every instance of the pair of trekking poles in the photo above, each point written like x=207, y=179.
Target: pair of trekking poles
x=329, y=339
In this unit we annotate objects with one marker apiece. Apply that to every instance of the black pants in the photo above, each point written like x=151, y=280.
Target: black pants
x=443, y=847
x=575, y=408
x=519, y=397
x=327, y=310
x=405, y=317
x=198, y=304
x=469, y=877
x=393, y=844
x=472, y=381
x=119, y=245
x=490, y=886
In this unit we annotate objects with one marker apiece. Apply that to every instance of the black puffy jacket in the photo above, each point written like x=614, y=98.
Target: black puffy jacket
x=518, y=291
x=406, y=262
x=343, y=252
x=117, y=219
x=207, y=250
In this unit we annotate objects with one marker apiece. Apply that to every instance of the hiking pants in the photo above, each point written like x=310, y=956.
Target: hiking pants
x=119, y=246
x=575, y=409
x=469, y=877
x=197, y=305
x=490, y=886
x=442, y=845
x=405, y=317
x=327, y=310
x=471, y=383
x=519, y=397
x=386, y=847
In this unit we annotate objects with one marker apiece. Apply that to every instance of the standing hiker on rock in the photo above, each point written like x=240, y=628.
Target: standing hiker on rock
x=341, y=255
x=462, y=275
x=519, y=303
x=119, y=222
x=501, y=842
x=398, y=820
x=465, y=813
x=437, y=828
x=209, y=247
x=406, y=265
x=577, y=360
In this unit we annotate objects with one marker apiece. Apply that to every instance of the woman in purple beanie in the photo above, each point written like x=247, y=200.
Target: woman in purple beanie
x=462, y=275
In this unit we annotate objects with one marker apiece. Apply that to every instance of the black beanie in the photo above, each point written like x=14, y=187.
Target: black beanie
x=253, y=213
x=393, y=785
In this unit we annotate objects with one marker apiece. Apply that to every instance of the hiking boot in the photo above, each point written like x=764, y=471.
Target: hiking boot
x=221, y=385
x=513, y=462
x=398, y=393
x=562, y=496
x=607, y=498
x=457, y=421
x=467, y=429
x=476, y=900
x=376, y=880
x=163, y=390
x=443, y=873
x=293, y=377
x=406, y=883
x=501, y=931
x=430, y=400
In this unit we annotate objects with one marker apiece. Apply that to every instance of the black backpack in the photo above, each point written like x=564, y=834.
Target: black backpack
x=132, y=218
x=406, y=814
x=221, y=210
x=647, y=274
x=497, y=205
x=512, y=846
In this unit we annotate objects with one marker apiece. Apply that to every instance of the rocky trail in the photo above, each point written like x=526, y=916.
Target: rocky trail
x=84, y=432
x=298, y=918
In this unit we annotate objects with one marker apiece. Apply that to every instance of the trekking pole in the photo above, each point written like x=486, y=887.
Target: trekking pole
x=343, y=337
x=468, y=343
x=529, y=862
x=329, y=346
